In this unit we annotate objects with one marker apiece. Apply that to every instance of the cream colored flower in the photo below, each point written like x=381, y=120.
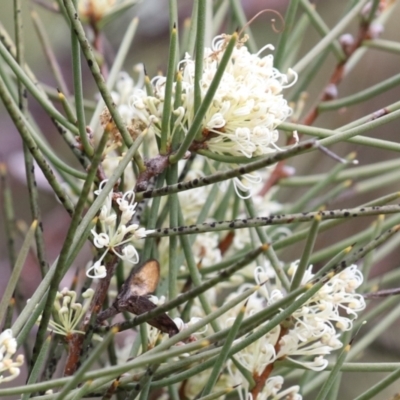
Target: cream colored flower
x=68, y=312
x=312, y=332
x=116, y=235
x=247, y=107
x=93, y=11
x=8, y=347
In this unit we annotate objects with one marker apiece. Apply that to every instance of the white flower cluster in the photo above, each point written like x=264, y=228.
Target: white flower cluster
x=205, y=249
x=313, y=330
x=272, y=389
x=8, y=347
x=68, y=313
x=246, y=109
x=125, y=88
x=94, y=10
x=117, y=232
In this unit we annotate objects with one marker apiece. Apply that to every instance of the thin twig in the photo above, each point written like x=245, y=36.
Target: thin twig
x=349, y=213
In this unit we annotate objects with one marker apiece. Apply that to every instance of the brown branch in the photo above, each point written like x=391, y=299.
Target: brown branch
x=338, y=73
x=277, y=174
x=327, y=94
x=98, y=44
x=76, y=341
x=226, y=242
x=72, y=363
x=262, y=378
x=154, y=167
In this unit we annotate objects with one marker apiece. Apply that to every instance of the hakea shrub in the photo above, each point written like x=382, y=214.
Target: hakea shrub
x=193, y=289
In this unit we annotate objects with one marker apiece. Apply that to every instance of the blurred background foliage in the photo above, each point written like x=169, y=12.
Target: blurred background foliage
x=150, y=47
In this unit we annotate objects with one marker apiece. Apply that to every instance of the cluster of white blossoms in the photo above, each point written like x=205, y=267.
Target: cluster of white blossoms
x=205, y=249
x=247, y=107
x=116, y=231
x=93, y=11
x=125, y=88
x=312, y=331
x=67, y=312
x=8, y=347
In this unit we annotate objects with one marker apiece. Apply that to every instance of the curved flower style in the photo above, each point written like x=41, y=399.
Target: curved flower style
x=313, y=330
x=246, y=109
x=116, y=236
x=8, y=347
